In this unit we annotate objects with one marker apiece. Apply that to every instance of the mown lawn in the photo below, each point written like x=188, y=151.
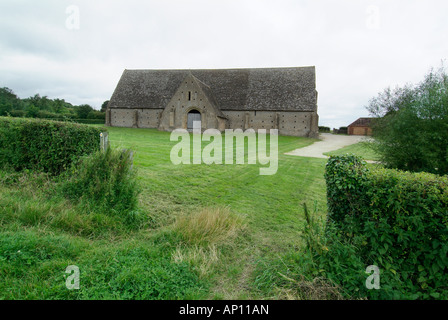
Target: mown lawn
x=360, y=149
x=42, y=233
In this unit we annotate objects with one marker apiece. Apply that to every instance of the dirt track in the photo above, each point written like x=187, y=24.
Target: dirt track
x=329, y=142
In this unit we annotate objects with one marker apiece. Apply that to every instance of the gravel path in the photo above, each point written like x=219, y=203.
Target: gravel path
x=329, y=142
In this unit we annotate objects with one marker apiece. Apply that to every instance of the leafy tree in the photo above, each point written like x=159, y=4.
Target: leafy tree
x=42, y=107
x=58, y=105
x=83, y=111
x=96, y=115
x=32, y=111
x=104, y=106
x=7, y=95
x=8, y=101
x=41, y=103
x=411, y=129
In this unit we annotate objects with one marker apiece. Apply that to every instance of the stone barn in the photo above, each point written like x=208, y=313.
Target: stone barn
x=264, y=98
x=361, y=127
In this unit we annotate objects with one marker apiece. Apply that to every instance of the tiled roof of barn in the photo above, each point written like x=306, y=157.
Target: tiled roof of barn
x=361, y=122
x=233, y=89
x=209, y=94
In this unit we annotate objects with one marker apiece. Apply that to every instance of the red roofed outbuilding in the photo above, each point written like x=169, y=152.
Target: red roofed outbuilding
x=361, y=127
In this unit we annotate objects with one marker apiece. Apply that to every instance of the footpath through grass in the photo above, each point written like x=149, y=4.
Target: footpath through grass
x=260, y=218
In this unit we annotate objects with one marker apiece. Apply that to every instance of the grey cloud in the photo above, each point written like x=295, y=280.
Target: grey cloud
x=353, y=62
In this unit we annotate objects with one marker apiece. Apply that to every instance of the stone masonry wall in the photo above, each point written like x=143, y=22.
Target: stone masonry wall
x=288, y=123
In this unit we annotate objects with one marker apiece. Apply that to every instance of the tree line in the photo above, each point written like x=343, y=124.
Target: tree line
x=42, y=107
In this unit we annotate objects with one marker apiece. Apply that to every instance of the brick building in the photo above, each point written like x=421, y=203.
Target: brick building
x=361, y=127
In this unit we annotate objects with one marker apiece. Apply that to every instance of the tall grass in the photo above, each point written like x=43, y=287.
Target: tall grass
x=300, y=273
x=204, y=253
x=97, y=197
x=104, y=181
x=208, y=226
x=203, y=234
x=203, y=259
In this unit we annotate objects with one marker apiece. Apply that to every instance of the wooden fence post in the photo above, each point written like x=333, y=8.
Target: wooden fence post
x=104, y=141
x=131, y=158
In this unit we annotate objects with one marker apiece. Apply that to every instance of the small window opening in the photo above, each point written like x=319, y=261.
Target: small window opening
x=189, y=95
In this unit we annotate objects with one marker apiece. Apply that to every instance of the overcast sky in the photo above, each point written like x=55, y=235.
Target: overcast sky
x=77, y=50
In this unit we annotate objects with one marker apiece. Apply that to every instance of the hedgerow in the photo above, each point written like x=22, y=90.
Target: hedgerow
x=44, y=145
x=396, y=220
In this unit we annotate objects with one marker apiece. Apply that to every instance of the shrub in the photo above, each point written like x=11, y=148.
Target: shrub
x=17, y=113
x=44, y=145
x=395, y=220
x=83, y=111
x=89, y=121
x=98, y=115
x=324, y=129
x=411, y=129
x=343, y=130
x=44, y=114
x=345, y=177
x=105, y=181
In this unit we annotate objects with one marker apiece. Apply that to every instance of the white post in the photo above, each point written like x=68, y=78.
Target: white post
x=104, y=141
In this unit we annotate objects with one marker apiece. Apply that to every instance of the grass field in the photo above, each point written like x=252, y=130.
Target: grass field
x=169, y=255
x=360, y=149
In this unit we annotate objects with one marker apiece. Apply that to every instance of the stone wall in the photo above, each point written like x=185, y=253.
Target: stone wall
x=190, y=96
x=288, y=123
x=137, y=118
x=121, y=117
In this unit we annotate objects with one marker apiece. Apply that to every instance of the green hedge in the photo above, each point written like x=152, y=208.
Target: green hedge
x=44, y=145
x=341, y=130
x=89, y=121
x=397, y=221
x=324, y=130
